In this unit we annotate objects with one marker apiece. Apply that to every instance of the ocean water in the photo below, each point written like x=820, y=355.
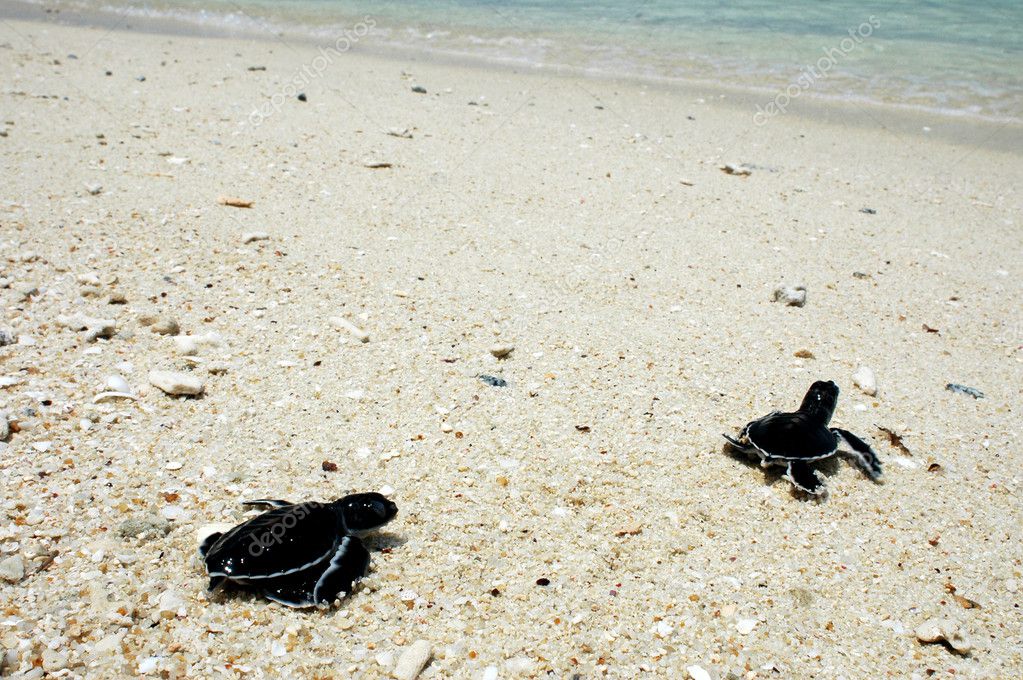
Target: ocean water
x=951, y=56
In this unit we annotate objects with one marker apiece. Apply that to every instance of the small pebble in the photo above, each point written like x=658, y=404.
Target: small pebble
x=412, y=661
x=494, y=381
x=736, y=169
x=251, y=236
x=12, y=569
x=864, y=379
x=170, y=604
x=419, y=89
x=150, y=526
x=793, y=296
x=190, y=345
x=175, y=383
x=501, y=351
x=7, y=337
x=165, y=326
x=963, y=389
x=93, y=188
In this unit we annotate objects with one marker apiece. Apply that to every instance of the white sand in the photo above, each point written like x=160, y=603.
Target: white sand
x=634, y=279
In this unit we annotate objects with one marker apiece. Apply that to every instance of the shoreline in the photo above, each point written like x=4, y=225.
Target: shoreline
x=997, y=134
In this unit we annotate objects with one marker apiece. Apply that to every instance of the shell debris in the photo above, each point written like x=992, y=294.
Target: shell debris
x=412, y=661
x=865, y=379
x=944, y=630
x=350, y=328
x=792, y=296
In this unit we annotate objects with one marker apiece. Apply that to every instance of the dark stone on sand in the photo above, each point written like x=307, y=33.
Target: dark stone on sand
x=302, y=97
x=493, y=381
x=419, y=89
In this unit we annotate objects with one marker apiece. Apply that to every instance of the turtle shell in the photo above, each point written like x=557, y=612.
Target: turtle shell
x=280, y=542
x=792, y=436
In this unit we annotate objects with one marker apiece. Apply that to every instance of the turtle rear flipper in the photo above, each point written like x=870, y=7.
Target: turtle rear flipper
x=805, y=478
x=861, y=452
x=737, y=444
x=268, y=502
x=207, y=543
x=348, y=564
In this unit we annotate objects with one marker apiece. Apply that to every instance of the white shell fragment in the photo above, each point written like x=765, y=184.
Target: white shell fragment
x=94, y=328
x=189, y=345
x=250, y=236
x=745, y=626
x=944, y=630
x=118, y=384
x=175, y=383
x=697, y=673
x=412, y=661
x=864, y=379
x=793, y=296
x=350, y=328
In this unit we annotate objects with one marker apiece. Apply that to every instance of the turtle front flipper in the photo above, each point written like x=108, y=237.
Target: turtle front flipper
x=861, y=452
x=269, y=502
x=805, y=478
x=311, y=587
x=349, y=563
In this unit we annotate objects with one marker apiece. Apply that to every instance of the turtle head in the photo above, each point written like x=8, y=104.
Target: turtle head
x=364, y=512
x=820, y=401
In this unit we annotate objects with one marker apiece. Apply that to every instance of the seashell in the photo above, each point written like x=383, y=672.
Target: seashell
x=118, y=384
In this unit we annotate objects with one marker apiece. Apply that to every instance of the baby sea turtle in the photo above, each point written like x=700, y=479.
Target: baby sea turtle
x=797, y=439
x=300, y=555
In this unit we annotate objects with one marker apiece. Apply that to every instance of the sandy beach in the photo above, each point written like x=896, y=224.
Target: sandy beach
x=589, y=225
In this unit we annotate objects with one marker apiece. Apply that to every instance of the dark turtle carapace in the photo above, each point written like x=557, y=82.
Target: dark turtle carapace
x=298, y=554
x=795, y=440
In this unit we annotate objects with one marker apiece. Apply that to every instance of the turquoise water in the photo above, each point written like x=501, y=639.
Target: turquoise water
x=959, y=58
